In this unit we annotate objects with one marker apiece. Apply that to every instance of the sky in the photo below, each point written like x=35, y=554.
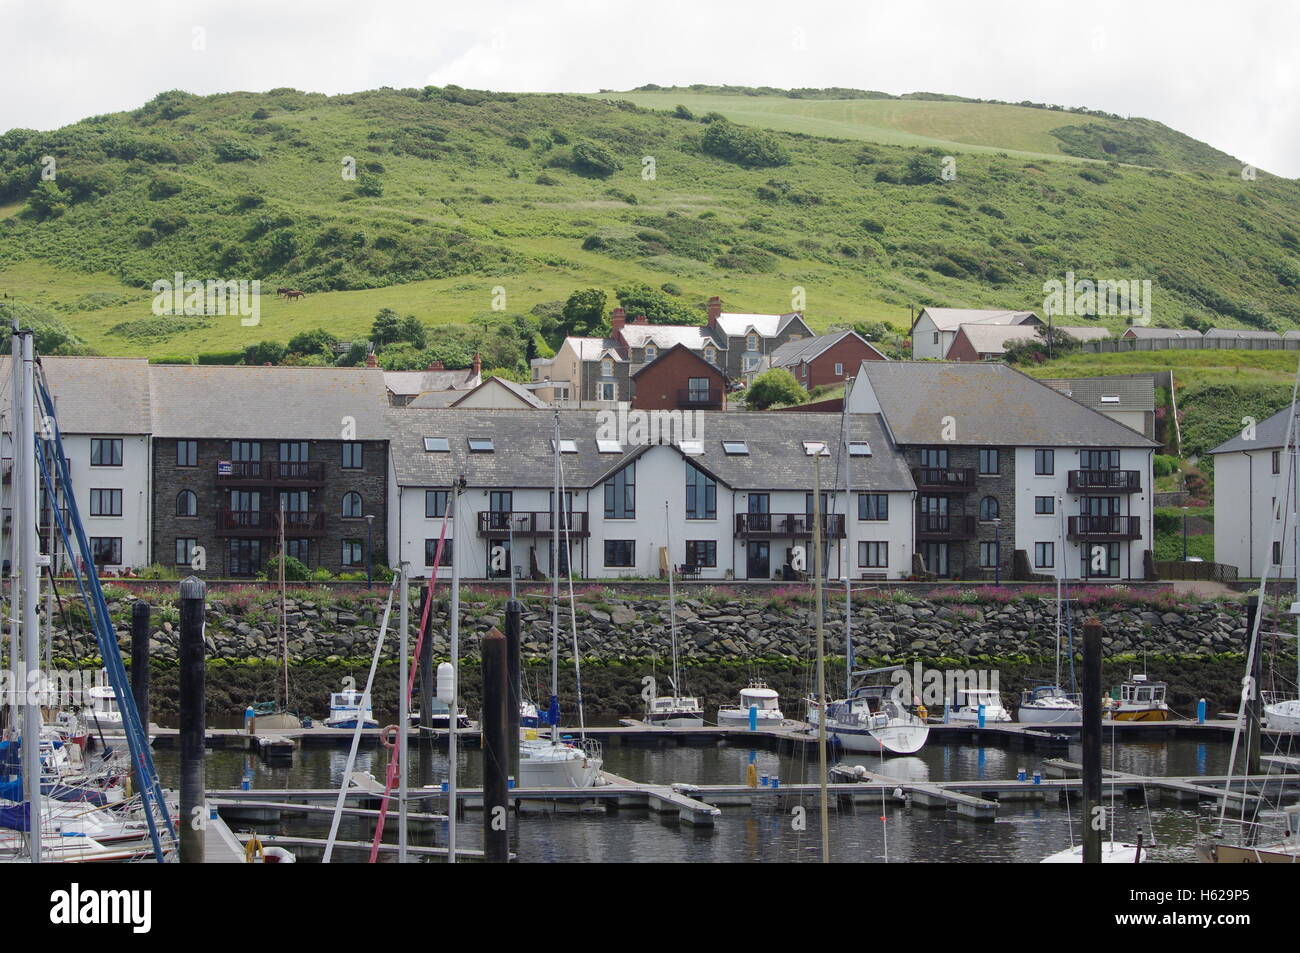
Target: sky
x=1226, y=74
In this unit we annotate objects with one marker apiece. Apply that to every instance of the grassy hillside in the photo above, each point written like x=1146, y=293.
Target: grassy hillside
x=457, y=193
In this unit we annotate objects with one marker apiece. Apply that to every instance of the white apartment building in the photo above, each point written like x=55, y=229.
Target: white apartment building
x=1254, y=500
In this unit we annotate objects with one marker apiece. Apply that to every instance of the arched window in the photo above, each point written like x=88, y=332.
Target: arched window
x=187, y=503
x=989, y=508
x=352, y=505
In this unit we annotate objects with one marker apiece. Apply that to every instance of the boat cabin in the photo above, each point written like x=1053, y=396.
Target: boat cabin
x=1138, y=691
x=348, y=700
x=669, y=703
x=764, y=699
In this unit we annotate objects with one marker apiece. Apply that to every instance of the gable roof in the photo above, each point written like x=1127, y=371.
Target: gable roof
x=992, y=338
x=776, y=458
x=808, y=349
x=950, y=319
x=665, y=336
x=1147, y=331
x=990, y=404
x=1135, y=393
x=1239, y=333
x=689, y=353
x=737, y=324
x=594, y=349
x=410, y=383
x=524, y=395
x=266, y=403
x=1270, y=434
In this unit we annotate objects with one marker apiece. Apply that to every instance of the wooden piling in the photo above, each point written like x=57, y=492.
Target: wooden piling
x=1094, y=818
x=496, y=748
x=514, y=695
x=193, y=810
x=140, y=661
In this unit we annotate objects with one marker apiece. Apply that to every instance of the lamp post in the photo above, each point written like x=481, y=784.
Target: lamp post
x=1184, y=534
x=997, y=551
x=370, y=563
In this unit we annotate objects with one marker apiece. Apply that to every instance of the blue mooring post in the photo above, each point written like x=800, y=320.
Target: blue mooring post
x=1200, y=712
x=981, y=717
x=753, y=718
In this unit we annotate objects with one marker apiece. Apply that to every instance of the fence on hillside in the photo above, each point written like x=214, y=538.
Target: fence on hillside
x=1127, y=345
x=1177, y=569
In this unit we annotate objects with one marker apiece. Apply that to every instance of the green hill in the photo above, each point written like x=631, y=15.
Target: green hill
x=458, y=193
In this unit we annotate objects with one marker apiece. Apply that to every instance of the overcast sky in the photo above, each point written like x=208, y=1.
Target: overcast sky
x=1224, y=73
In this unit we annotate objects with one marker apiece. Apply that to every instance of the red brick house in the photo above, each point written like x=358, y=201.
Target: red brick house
x=826, y=358
x=679, y=379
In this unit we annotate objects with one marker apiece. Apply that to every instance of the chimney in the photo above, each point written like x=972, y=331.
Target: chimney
x=617, y=318
x=478, y=365
x=435, y=366
x=371, y=360
x=715, y=310
x=642, y=319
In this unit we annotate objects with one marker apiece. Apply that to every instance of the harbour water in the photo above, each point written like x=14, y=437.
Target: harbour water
x=765, y=832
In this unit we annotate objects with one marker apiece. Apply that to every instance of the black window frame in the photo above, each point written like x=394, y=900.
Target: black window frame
x=97, y=445
x=624, y=546
x=621, y=483
x=361, y=506
x=876, y=552
x=115, y=549
x=1044, y=458
x=349, y=448
x=431, y=550
x=187, y=494
x=987, y=453
x=697, y=479
x=877, y=503
x=97, y=501
x=709, y=547
x=187, y=453
x=1048, y=548
x=436, y=511
x=192, y=544
x=1038, y=506
x=347, y=544
x=990, y=513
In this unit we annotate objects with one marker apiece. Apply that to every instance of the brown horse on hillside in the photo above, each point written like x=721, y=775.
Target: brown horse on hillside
x=293, y=295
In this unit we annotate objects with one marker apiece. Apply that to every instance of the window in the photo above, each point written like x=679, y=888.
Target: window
x=436, y=445
x=936, y=337
x=751, y=342
x=352, y=456
x=1100, y=559
x=351, y=552
x=245, y=451
x=702, y=552
x=873, y=555
x=105, y=452
x=298, y=549
x=701, y=495
x=619, y=553
x=735, y=448
x=1277, y=461
x=244, y=557
x=431, y=550
x=1098, y=459
x=187, y=503
x=859, y=449
x=710, y=355
x=185, y=550
x=1044, y=505
x=620, y=495
x=697, y=389
x=352, y=505
x=873, y=506
x=606, y=391
x=988, y=462
x=435, y=503
x=607, y=368
x=691, y=448
x=988, y=555
x=808, y=507
x=650, y=352
x=294, y=501
x=934, y=457
x=481, y=445
x=1044, y=462
x=608, y=446
x=187, y=454
x=1110, y=398
x=106, y=550
x=811, y=447
x=839, y=369
x=989, y=508
x=105, y=502
x=294, y=451
x=1045, y=554
x=566, y=446
x=751, y=363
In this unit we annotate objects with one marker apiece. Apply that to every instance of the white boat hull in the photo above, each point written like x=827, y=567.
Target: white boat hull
x=1032, y=715
x=736, y=718
x=542, y=765
x=991, y=716
x=1283, y=716
x=1112, y=852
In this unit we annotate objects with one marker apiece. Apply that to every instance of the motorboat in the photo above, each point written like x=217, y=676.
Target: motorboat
x=345, y=711
x=438, y=716
x=1281, y=714
x=969, y=704
x=1138, y=699
x=757, y=703
x=1049, y=705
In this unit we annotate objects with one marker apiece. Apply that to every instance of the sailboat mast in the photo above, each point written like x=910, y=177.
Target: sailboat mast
x=15, y=530
x=31, y=750
x=555, y=584
x=284, y=622
x=1060, y=571
x=453, y=707
x=848, y=557
x=672, y=600
x=821, y=650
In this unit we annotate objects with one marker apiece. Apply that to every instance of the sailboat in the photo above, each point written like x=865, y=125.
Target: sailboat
x=871, y=718
x=275, y=715
x=1052, y=704
x=554, y=762
x=675, y=710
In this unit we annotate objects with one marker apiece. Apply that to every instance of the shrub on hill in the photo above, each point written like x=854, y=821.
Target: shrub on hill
x=777, y=386
x=752, y=148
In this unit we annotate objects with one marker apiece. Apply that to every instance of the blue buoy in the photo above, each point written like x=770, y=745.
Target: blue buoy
x=1038, y=777
x=1020, y=775
x=1200, y=712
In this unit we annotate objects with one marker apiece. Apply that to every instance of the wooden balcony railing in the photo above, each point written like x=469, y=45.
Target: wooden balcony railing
x=1101, y=528
x=944, y=479
x=266, y=523
x=1105, y=481
x=500, y=525
x=931, y=526
x=269, y=473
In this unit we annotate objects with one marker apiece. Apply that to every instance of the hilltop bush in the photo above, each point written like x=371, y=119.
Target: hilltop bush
x=752, y=148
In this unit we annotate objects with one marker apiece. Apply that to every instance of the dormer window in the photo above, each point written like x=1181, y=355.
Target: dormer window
x=710, y=355
x=650, y=352
x=751, y=342
x=607, y=367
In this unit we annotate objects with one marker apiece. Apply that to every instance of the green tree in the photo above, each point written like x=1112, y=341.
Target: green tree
x=318, y=341
x=583, y=314
x=776, y=386
x=659, y=308
x=412, y=330
x=47, y=201
x=386, y=328
x=264, y=352
x=591, y=159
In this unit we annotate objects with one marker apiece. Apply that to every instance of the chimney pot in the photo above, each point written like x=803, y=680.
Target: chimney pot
x=715, y=311
x=372, y=361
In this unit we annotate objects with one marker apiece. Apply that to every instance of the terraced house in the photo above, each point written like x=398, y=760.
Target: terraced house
x=235, y=448
x=1013, y=478
x=733, y=502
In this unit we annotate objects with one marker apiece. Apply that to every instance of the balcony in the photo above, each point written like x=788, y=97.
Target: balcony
x=269, y=473
x=933, y=527
x=944, y=479
x=501, y=525
x=710, y=399
x=1105, y=481
x=787, y=525
x=267, y=523
x=1104, y=528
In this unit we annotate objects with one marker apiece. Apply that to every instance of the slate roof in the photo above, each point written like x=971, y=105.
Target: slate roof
x=807, y=349
x=1147, y=331
x=266, y=403
x=991, y=405
x=93, y=395
x=992, y=338
x=410, y=383
x=1239, y=333
x=519, y=390
x=522, y=457
x=666, y=336
x=1136, y=393
x=950, y=319
x=1270, y=434
x=735, y=324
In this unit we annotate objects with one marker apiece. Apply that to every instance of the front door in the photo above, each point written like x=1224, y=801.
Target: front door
x=936, y=558
x=499, y=503
x=757, y=563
